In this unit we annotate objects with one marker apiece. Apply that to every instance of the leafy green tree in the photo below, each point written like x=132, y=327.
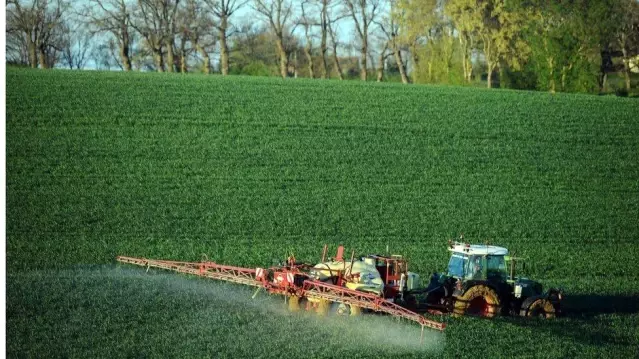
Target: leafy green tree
x=416, y=20
x=440, y=56
x=494, y=24
x=468, y=22
x=564, y=45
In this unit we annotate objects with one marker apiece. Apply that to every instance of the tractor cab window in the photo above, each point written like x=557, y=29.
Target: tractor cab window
x=456, y=265
x=496, y=267
x=474, y=267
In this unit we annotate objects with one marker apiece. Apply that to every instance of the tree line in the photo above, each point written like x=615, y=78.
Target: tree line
x=552, y=45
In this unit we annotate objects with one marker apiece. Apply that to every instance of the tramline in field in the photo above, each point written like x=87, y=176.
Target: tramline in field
x=478, y=282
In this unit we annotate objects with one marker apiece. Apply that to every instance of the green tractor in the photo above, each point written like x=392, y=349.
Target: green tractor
x=481, y=281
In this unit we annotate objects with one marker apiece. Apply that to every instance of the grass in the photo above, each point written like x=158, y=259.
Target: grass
x=247, y=169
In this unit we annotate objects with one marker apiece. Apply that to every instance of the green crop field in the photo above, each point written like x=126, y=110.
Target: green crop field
x=246, y=170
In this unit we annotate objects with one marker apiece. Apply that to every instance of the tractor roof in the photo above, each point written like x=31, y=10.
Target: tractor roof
x=477, y=249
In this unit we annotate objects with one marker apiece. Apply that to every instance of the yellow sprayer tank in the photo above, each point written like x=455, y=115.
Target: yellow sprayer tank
x=363, y=276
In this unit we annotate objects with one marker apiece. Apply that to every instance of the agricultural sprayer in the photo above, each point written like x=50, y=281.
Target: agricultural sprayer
x=480, y=281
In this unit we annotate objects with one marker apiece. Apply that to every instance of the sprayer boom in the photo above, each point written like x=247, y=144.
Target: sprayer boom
x=294, y=282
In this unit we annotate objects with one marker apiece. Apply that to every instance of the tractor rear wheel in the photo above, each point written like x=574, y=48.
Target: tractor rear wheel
x=340, y=309
x=479, y=300
x=541, y=308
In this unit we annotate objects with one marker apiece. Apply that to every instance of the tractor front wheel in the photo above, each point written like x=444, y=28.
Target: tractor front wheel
x=479, y=300
x=541, y=308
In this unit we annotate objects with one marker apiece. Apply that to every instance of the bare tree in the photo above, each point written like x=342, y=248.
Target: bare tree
x=332, y=31
x=168, y=10
x=277, y=13
x=183, y=51
x=223, y=10
x=148, y=23
x=307, y=23
x=41, y=24
x=114, y=50
x=381, y=61
x=156, y=23
x=16, y=48
x=324, y=20
x=363, y=13
x=114, y=17
x=103, y=55
x=328, y=19
x=75, y=48
x=195, y=26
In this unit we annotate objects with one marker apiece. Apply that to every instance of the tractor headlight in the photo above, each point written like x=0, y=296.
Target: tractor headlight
x=518, y=291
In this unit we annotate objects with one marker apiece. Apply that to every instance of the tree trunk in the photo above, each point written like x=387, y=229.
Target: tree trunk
x=364, y=54
x=183, y=66
x=170, y=56
x=42, y=56
x=400, y=64
x=206, y=66
x=465, y=67
x=324, y=36
x=551, y=65
x=125, y=48
x=464, y=52
x=224, y=49
x=159, y=61
x=466, y=61
x=489, y=63
x=207, y=63
x=490, y=75
x=606, y=62
x=224, y=55
x=124, y=56
x=338, y=67
x=415, y=60
x=33, y=55
x=283, y=58
x=309, y=58
x=324, y=50
x=626, y=66
x=380, y=65
x=183, y=59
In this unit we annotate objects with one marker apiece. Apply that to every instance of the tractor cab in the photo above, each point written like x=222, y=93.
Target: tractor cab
x=478, y=262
